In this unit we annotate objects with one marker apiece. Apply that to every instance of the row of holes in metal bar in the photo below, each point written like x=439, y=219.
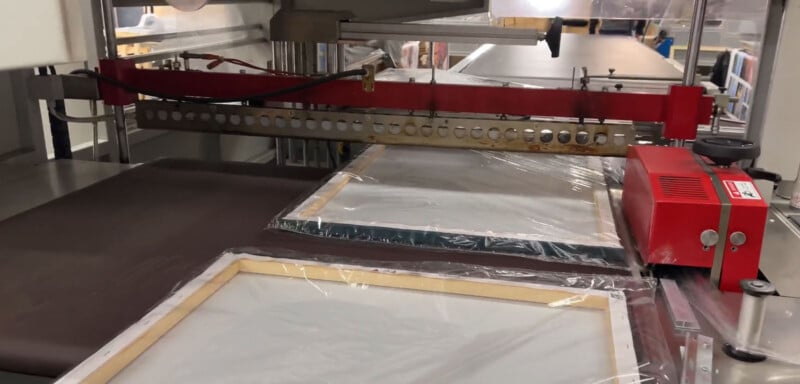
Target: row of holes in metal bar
x=410, y=129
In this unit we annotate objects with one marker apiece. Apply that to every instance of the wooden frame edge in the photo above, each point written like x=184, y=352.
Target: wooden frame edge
x=115, y=356
x=326, y=193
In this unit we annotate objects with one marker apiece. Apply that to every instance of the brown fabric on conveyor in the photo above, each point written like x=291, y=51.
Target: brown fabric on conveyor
x=77, y=271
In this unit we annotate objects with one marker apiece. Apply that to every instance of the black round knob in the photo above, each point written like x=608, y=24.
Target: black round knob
x=726, y=151
x=618, y=87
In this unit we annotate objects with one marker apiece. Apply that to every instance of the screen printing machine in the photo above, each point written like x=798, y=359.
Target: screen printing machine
x=455, y=165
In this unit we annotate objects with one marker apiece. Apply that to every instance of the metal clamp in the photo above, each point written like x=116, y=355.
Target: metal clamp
x=368, y=81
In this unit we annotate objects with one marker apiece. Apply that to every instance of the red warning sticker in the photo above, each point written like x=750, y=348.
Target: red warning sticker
x=742, y=190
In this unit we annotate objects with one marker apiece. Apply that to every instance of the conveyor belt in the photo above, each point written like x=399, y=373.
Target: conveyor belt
x=80, y=269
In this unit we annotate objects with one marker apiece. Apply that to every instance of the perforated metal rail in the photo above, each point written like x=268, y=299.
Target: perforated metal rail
x=381, y=128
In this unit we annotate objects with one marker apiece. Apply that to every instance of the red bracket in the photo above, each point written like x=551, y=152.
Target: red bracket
x=116, y=69
x=684, y=111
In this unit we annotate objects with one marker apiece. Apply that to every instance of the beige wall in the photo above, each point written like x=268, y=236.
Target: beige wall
x=781, y=140
x=37, y=32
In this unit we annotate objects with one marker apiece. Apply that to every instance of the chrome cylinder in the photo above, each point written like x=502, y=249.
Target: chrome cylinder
x=695, y=41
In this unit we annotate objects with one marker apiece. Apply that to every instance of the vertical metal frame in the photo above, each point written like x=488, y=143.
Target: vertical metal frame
x=29, y=121
x=109, y=26
x=766, y=65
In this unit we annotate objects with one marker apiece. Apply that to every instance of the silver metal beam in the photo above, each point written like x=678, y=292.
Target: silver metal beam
x=177, y=35
x=439, y=32
x=402, y=129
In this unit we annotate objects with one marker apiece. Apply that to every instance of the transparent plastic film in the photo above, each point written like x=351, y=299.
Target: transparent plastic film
x=722, y=310
x=532, y=205
x=311, y=318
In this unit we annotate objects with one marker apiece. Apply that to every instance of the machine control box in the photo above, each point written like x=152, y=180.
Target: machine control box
x=683, y=210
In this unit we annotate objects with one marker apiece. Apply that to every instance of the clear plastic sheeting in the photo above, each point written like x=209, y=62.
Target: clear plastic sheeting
x=627, y=9
x=533, y=205
x=721, y=310
x=316, y=319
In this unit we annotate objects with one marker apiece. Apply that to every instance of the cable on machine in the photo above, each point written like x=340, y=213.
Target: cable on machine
x=207, y=100
x=51, y=107
x=217, y=60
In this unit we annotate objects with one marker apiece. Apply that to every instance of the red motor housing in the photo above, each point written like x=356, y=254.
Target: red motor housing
x=684, y=211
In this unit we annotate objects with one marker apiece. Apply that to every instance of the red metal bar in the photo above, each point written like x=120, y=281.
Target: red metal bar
x=419, y=96
x=117, y=69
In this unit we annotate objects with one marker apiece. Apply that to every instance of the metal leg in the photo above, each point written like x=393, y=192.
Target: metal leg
x=280, y=64
x=304, y=151
x=95, y=138
x=109, y=24
x=279, y=151
x=122, y=135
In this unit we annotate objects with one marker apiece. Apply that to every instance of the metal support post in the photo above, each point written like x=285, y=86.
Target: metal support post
x=109, y=23
x=341, y=63
x=95, y=133
x=766, y=64
x=332, y=50
x=695, y=41
x=693, y=50
x=332, y=58
x=431, y=62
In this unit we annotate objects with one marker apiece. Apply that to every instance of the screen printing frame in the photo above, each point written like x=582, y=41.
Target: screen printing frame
x=120, y=352
x=302, y=219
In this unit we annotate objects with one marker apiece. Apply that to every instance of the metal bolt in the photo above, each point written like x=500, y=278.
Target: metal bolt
x=709, y=237
x=738, y=238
